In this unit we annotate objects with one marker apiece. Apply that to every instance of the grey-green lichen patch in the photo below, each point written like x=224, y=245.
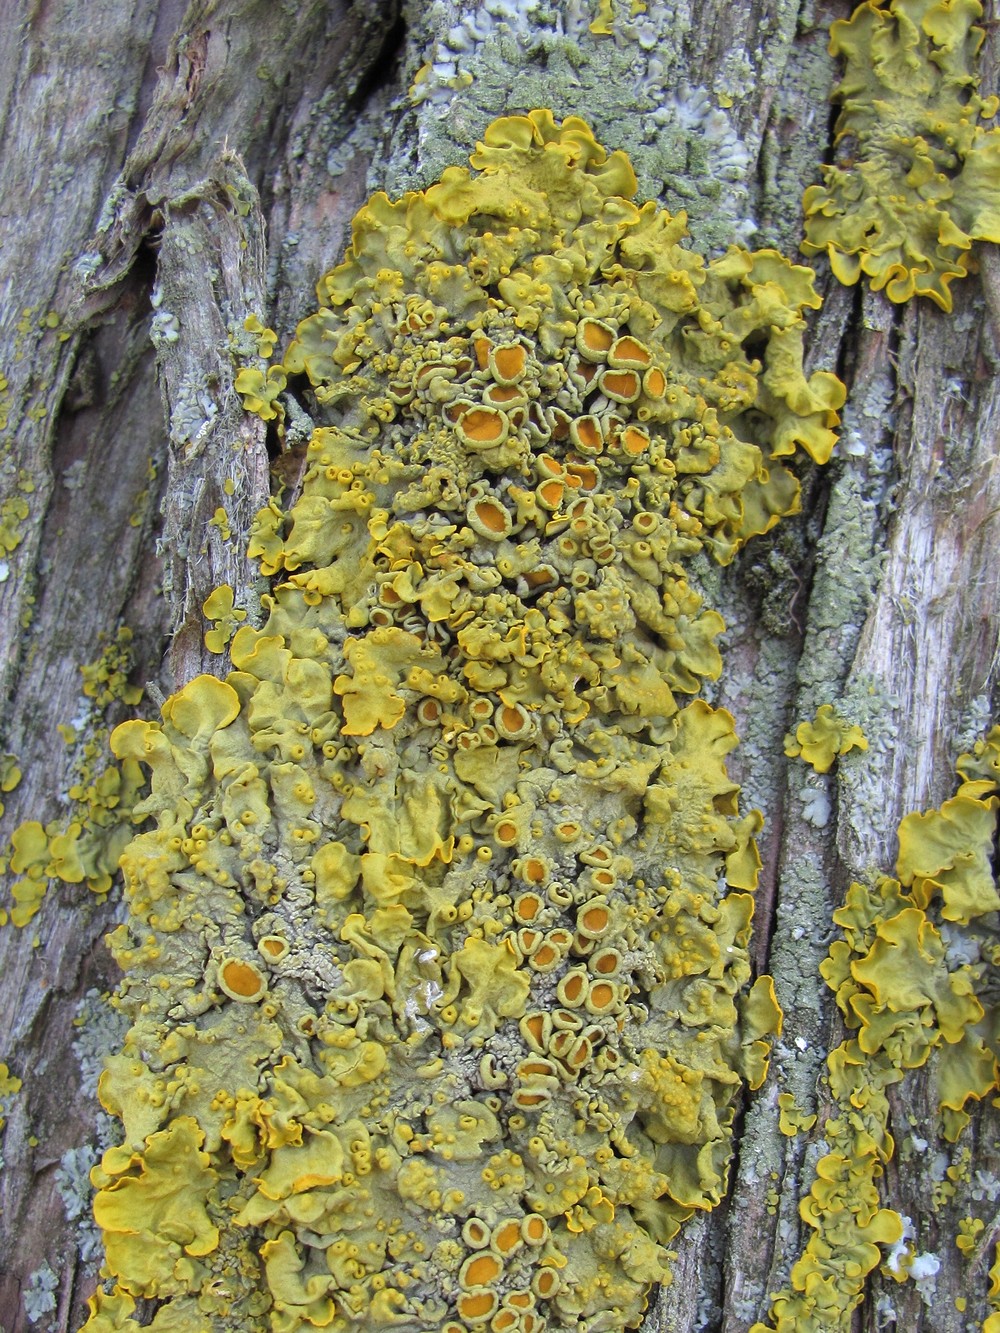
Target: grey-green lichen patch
x=868, y=703
x=100, y=1030
x=795, y=949
x=766, y=1156
x=796, y=135
x=848, y=567
x=39, y=1297
x=628, y=83
x=759, y=694
x=164, y=327
x=840, y=597
x=72, y=1177
x=974, y=721
x=364, y=137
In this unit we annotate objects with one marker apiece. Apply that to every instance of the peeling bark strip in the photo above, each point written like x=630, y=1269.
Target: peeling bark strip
x=722, y=107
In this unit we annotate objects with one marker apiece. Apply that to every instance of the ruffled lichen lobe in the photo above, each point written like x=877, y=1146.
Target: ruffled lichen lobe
x=436, y=954
x=915, y=182
x=821, y=740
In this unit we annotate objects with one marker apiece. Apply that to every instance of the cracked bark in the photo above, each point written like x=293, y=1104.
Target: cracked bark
x=163, y=173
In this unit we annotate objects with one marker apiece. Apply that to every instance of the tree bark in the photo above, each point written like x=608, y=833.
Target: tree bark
x=167, y=171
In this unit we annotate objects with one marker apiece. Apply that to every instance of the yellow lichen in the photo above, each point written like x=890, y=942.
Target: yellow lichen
x=84, y=848
x=10, y=775
x=441, y=1002
x=9, y=1085
x=220, y=607
x=822, y=740
x=13, y=513
x=220, y=521
x=911, y=999
x=992, y=1322
x=106, y=679
x=266, y=339
x=602, y=24
x=792, y=1119
x=260, y=393
x=155, y=1224
x=916, y=182
x=969, y=1231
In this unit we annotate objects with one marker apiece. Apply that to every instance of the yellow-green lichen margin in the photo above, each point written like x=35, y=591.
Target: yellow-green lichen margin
x=909, y=975
x=918, y=182
x=439, y=904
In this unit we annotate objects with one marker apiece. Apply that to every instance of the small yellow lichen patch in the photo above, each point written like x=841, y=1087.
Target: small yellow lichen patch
x=822, y=740
x=220, y=521
x=220, y=607
x=10, y=775
x=30, y=858
x=9, y=1085
x=969, y=1231
x=918, y=183
x=86, y=847
x=261, y=391
x=107, y=679
x=266, y=338
x=602, y=24
x=792, y=1119
x=13, y=513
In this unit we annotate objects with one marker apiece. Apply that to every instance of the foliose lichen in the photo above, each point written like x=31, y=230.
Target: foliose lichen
x=84, y=848
x=821, y=741
x=219, y=607
x=908, y=973
x=10, y=1084
x=10, y=775
x=39, y=1298
x=436, y=956
x=915, y=184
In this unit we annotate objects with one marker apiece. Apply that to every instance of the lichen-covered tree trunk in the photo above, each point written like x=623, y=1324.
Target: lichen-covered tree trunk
x=166, y=172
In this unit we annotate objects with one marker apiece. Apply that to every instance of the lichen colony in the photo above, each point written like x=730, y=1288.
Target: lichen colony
x=436, y=956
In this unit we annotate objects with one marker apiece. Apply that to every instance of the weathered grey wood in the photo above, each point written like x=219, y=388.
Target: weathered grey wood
x=208, y=158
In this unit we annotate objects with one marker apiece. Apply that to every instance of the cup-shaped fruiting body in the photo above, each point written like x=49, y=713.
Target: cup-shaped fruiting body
x=241, y=979
x=272, y=947
x=428, y=926
x=917, y=182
